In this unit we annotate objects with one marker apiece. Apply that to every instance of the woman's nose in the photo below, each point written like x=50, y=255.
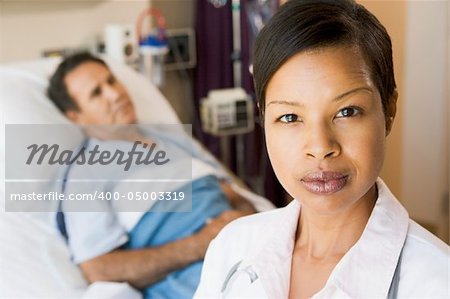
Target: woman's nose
x=321, y=142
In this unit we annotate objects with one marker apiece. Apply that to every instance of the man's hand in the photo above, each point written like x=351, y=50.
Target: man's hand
x=143, y=267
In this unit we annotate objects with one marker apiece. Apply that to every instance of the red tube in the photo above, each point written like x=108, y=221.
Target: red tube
x=160, y=21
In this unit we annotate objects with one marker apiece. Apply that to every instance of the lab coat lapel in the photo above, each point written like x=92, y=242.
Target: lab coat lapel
x=367, y=269
x=273, y=263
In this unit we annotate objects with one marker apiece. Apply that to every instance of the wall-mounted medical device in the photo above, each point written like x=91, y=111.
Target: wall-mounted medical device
x=227, y=112
x=152, y=47
x=151, y=53
x=120, y=43
x=182, y=49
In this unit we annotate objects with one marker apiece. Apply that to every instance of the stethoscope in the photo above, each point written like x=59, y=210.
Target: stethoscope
x=234, y=270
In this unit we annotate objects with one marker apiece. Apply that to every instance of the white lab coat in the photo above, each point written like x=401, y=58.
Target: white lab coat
x=251, y=257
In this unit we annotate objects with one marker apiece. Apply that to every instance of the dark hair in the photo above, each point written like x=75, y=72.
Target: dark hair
x=302, y=25
x=57, y=89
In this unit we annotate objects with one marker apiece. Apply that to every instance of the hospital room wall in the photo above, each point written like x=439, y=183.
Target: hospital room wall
x=179, y=83
x=29, y=27
x=417, y=159
x=426, y=168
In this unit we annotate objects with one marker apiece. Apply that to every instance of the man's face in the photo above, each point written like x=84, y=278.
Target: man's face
x=101, y=99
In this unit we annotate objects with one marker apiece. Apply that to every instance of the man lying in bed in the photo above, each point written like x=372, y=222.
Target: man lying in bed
x=163, y=260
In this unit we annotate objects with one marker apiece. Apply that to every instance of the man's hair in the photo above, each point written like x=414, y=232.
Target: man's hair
x=305, y=25
x=57, y=89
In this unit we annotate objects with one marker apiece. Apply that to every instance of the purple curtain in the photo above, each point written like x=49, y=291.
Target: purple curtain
x=215, y=70
x=214, y=37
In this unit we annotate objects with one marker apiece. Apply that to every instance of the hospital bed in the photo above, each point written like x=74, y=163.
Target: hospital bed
x=34, y=259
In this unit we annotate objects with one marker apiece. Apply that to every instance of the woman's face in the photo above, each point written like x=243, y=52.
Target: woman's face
x=325, y=128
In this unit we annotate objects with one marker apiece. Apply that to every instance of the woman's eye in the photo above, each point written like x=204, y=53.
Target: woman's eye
x=348, y=112
x=288, y=118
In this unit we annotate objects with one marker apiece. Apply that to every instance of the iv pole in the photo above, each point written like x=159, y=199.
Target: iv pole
x=237, y=77
x=237, y=82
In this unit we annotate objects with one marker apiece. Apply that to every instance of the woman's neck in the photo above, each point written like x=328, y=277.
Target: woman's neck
x=323, y=237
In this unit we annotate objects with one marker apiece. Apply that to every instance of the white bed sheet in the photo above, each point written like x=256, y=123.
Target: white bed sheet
x=35, y=251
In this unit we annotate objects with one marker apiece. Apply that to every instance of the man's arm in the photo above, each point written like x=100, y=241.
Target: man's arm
x=237, y=202
x=143, y=267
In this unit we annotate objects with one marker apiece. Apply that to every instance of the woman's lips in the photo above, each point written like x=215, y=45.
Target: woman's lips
x=324, y=182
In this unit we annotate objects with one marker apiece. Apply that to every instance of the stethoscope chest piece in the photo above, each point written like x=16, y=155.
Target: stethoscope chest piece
x=235, y=270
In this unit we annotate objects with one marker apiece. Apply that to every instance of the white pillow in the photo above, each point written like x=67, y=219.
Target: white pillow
x=23, y=97
x=151, y=106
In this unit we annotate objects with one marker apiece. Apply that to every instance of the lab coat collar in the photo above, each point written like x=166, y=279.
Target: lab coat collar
x=273, y=262
x=368, y=267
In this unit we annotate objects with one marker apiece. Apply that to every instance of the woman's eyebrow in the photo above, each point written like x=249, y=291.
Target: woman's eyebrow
x=289, y=103
x=358, y=89
x=339, y=97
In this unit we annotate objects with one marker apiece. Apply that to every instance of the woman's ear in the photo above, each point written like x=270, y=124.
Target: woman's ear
x=391, y=110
